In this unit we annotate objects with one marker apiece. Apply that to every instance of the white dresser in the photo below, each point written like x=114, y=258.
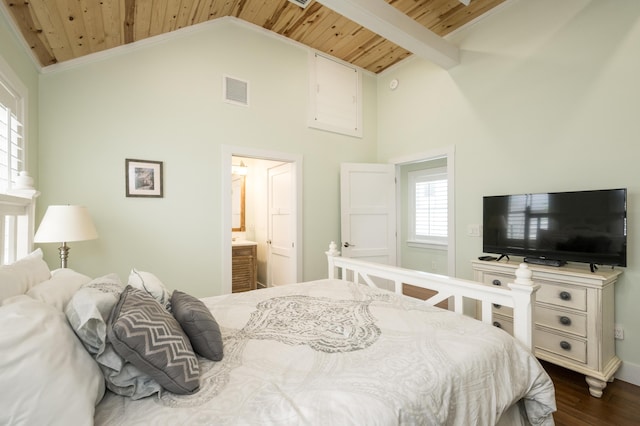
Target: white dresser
x=574, y=316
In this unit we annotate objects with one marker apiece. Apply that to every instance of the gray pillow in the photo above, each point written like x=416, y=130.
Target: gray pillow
x=199, y=325
x=146, y=335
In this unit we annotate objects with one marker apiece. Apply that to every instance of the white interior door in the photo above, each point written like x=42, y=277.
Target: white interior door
x=368, y=212
x=281, y=226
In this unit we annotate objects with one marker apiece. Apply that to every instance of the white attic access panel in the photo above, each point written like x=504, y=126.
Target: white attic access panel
x=335, y=96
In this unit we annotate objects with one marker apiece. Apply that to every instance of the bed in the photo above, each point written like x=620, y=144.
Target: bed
x=331, y=351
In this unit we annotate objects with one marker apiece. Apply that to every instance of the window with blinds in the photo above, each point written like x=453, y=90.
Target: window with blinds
x=428, y=201
x=11, y=136
x=14, y=235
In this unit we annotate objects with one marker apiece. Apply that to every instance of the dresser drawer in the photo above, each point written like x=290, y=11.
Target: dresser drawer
x=243, y=251
x=502, y=281
x=502, y=310
x=503, y=323
x=562, y=295
x=498, y=279
x=566, y=322
x=562, y=345
x=559, y=344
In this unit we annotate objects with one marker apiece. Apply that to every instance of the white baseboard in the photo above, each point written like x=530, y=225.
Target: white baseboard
x=629, y=373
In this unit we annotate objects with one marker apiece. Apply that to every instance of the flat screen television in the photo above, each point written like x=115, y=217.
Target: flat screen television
x=558, y=227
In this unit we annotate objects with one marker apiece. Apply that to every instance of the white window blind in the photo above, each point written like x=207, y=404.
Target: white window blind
x=428, y=212
x=14, y=224
x=11, y=136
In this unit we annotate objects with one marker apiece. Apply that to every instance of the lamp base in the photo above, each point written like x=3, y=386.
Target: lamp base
x=64, y=254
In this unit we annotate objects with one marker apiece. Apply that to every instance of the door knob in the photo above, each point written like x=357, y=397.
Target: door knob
x=349, y=245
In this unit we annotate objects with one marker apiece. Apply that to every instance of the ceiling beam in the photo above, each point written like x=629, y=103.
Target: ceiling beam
x=387, y=21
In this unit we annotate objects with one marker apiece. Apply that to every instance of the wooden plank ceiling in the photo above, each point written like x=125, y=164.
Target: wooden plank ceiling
x=62, y=30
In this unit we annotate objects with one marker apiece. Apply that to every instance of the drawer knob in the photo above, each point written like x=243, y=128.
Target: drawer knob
x=497, y=324
x=565, y=295
x=495, y=305
x=565, y=345
x=565, y=320
x=496, y=282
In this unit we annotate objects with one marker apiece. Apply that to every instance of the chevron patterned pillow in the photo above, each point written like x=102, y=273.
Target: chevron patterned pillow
x=149, y=337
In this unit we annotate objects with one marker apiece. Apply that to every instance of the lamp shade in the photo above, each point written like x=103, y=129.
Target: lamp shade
x=65, y=224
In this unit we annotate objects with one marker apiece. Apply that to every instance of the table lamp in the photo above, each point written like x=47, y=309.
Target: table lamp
x=63, y=224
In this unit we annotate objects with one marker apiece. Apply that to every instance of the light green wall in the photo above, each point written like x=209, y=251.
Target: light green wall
x=163, y=102
x=546, y=99
x=22, y=65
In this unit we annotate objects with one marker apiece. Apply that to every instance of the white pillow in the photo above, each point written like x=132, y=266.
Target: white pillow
x=60, y=288
x=88, y=312
x=89, y=309
x=46, y=375
x=20, y=276
x=152, y=285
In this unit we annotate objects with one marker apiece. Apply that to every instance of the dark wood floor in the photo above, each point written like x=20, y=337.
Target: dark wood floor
x=619, y=405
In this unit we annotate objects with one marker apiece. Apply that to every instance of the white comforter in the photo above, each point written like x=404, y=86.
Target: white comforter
x=333, y=353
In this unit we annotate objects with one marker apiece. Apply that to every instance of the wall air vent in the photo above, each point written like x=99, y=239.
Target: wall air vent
x=301, y=3
x=235, y=91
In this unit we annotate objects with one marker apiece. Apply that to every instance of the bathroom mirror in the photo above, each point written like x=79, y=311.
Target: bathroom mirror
x=237, y=203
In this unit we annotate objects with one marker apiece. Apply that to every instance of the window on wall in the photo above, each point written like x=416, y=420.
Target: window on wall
x=428, y=206
x=13, y=227
x=12, y=143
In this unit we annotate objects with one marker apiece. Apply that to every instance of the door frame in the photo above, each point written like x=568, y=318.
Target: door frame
x=228, y=151
x=448, y=153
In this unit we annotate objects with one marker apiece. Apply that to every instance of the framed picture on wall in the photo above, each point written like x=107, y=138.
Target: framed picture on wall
x=143, y=178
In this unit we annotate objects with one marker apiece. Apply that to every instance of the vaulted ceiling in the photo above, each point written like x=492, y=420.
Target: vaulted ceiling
x=371, y=34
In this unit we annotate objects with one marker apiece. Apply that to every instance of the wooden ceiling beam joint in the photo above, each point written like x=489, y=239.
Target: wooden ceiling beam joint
x=395, y=26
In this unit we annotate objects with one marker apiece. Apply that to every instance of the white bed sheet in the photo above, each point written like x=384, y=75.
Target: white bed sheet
x=334, y=353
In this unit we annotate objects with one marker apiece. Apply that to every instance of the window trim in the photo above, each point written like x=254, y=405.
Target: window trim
x=14, y=84
x=17, y=208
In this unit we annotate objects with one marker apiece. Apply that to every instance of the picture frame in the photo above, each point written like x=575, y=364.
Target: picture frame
x=143, y=178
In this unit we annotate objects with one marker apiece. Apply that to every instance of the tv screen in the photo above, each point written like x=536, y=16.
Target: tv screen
x=579, y=226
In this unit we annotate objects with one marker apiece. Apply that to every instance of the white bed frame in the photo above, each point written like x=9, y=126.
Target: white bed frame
x=521, y=296
x=17, y=220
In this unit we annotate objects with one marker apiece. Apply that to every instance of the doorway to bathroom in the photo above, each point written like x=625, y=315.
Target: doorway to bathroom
x=269, y=208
